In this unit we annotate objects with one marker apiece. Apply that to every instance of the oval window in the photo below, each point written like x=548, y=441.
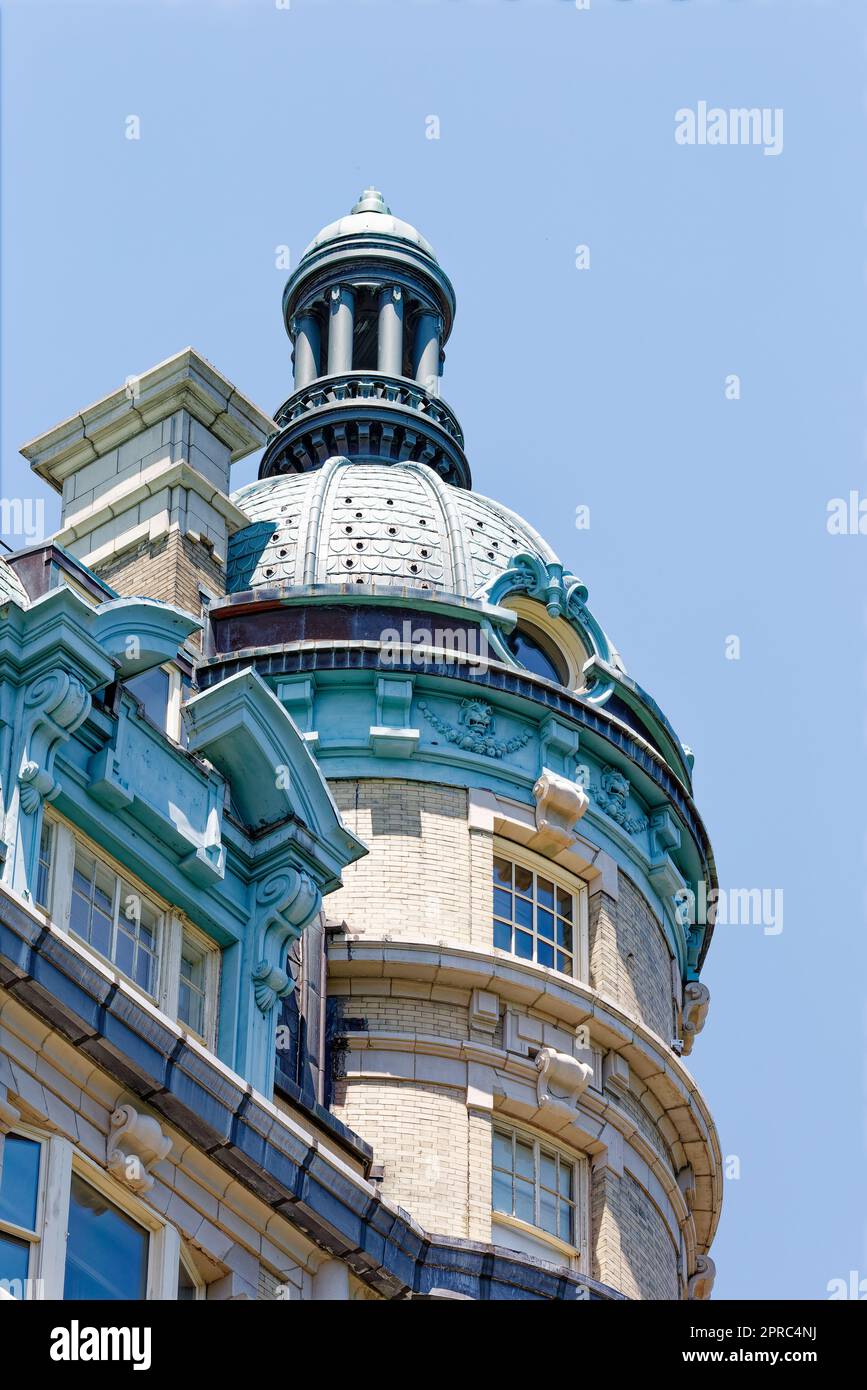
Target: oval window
x=535, y=652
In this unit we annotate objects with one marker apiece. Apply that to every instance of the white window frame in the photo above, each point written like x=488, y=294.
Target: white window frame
x=185, y=1259
x=172, y=929
x=577, y=1253
x=561, y=878
x=178, y=931
x=123, y=879
x=34, y=1236
x=47, y=1272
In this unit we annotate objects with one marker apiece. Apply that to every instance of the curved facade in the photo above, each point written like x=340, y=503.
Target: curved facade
x=351, y=889
x=512, y=982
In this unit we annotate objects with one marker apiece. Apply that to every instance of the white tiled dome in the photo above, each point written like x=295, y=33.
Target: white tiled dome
x=390, y=524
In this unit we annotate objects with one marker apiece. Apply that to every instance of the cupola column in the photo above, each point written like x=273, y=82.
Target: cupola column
x=426, y=350
x=307, y=349
x=390, y=342
x=340, y=329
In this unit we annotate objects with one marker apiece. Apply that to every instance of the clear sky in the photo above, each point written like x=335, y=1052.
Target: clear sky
x=603, y=386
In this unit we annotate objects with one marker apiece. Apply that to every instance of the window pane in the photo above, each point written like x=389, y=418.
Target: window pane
x=43, y=867
x=524, y=913
x=502, y=936
x=100, y=933
x=548, y=1171
x=524, y=1201
x=566, y=1179
x=545, y=954
x=83, y=872
x=523, y=945
x=19, y=1186
x=545, y=924
x=106, y=1252
x=14, y=1258
x=548, y=1211
x=564, y=904
x=564, y=934
x=564, y=963
x=503, y=1151
x=524, y=1159
x=545, y=893
x=151, y=689
x=523, y=881
x=567, y=1223
x=502, y=1193
x=502, y=872
x=502, y=903
x=125, y=953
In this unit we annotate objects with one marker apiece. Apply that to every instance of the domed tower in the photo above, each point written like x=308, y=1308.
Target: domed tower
x=512, y=977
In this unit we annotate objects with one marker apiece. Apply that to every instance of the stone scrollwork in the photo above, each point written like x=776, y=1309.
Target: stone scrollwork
x=270, y=983
x=701, y=1284
x=286, y=902
x=56, y=704
x=475, y=729
x=135, y=1143
x=561, y=1080
x=611, y=794
x=696, y=1002
x=559, y=804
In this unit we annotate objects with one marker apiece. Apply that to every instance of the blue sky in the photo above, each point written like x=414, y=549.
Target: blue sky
x=602, y=387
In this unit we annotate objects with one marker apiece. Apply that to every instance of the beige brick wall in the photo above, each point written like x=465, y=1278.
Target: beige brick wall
x=632, y=1249
x=421, y=1134
x=170, y=568
x=415, y=882
x=629, y=957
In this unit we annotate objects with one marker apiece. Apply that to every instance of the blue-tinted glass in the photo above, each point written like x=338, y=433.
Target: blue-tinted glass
x=106, y=1252
x=524, y=1201
x=502, y=903
x=19, y=1185
x=564, y=935
x=151, y=689
x=502, y=936
x=524, y=912
x=548, y=1211
x=545, y=954
x=14, y=1259
x=502, y=1151
x=567, y=1230
x=523, y=945
x=502, y=1193
x=545, y=924
x=564, y=963
x=545, y=893
x=533, y=657
x=502, y=872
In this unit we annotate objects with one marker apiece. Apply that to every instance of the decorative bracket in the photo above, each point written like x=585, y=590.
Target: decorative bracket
x=696, y=1002
x=58, y=703
x=135, y=1143
x=702, y=1281
x=566, y=1073
x=392, y=735
x=559, y=804
x=270, y=983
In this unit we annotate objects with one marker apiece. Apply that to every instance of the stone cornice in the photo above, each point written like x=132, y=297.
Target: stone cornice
x=122, y=499
x=570, y=1003
x=185, y=381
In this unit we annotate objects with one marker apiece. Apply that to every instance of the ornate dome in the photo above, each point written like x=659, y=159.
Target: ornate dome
x=370, y=217
x=391, y=524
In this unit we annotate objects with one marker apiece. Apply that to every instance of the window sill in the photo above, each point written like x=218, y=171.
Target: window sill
x=537, y=1233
